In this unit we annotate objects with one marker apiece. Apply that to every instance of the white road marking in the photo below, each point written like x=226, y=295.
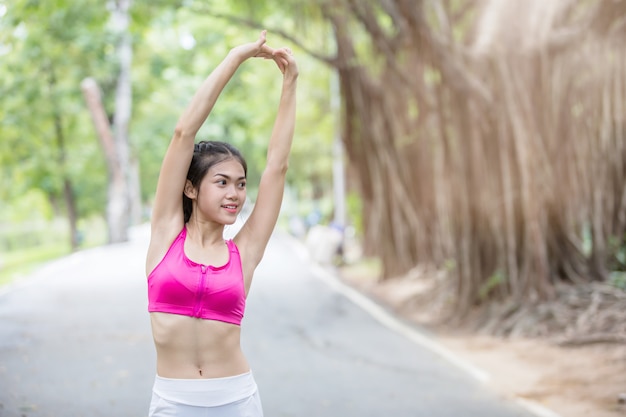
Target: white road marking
x=391, y=322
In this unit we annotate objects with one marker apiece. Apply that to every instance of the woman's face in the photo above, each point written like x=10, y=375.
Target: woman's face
x=222, y=192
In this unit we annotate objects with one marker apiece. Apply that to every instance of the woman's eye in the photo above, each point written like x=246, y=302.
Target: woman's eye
x=242, y=185
x=222, y=182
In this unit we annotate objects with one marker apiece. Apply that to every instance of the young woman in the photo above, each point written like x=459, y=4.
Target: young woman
x=197, y=281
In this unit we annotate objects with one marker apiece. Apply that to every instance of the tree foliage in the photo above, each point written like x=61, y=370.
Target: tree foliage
x=174, y=49
x=42, y=125
x=180, y=49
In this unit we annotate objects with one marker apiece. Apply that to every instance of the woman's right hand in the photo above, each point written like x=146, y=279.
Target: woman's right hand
x=257, y=48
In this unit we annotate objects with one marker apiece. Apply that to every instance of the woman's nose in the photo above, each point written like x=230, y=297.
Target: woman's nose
x=231, y=192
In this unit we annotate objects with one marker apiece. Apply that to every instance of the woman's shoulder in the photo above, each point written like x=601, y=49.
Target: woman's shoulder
x=232, y=246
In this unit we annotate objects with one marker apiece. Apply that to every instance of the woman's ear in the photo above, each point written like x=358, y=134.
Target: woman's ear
x=189, y=190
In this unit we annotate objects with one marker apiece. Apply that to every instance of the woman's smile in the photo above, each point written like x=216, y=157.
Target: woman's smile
x=231, y=208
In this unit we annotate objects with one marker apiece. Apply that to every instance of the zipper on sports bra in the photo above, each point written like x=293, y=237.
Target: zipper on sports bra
x=200, y=292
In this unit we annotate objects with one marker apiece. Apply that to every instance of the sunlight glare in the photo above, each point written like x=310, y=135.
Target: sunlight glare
x=187, y=41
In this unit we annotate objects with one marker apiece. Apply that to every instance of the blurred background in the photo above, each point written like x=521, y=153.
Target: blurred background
x=477, y=146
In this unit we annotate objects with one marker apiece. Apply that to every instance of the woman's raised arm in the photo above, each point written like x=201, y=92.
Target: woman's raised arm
x=256, y=232
x=167, y=217
x=167, y=210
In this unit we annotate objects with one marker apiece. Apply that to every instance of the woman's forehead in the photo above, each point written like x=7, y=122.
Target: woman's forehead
x=229, y=166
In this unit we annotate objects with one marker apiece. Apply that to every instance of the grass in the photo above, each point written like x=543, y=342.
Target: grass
x=16, y=264
x=53, y=243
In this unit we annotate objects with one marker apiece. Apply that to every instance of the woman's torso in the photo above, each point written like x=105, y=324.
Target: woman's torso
x=189, y=347
x=195, y=314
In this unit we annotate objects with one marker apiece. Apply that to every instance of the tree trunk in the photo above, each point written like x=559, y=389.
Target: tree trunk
x=487, y=138
x=120, y=20
x=116, y=211
x=68, y=194
x=489, y=152
x=124, y=194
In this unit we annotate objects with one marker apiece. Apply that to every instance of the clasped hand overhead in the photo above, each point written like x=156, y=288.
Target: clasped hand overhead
x=282, y=56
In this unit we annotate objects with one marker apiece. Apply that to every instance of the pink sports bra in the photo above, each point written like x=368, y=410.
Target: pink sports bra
x=178, y=285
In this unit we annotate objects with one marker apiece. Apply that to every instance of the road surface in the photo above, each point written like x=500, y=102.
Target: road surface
x=75, y=342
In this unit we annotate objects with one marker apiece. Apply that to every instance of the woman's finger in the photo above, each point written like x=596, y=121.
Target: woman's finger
x=262, y=38
x=284, y=55
x=281, y=65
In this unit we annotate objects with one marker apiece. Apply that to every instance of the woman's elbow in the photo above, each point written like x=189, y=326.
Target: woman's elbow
x=183, y=131
x=278, y=168
x=282, y=168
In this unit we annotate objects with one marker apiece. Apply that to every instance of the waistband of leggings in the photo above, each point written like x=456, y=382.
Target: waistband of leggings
x=210, y=392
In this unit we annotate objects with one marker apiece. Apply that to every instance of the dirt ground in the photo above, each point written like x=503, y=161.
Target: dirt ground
x=584, y=381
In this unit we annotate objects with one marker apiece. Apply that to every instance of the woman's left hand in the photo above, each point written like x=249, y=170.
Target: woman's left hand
x=286, y=62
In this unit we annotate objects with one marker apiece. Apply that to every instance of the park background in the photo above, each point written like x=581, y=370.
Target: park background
x=470, y=154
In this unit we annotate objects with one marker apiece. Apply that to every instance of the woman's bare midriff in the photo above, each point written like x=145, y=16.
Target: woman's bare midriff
x=189, y=347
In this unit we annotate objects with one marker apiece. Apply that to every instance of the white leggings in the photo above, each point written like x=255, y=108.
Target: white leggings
x=235, y=396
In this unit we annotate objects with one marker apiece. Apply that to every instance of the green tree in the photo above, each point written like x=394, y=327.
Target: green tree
x=173, y=49
x=178, y=51
x=44, y=54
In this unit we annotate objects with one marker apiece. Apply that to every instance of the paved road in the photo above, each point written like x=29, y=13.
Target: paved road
x=75, y=341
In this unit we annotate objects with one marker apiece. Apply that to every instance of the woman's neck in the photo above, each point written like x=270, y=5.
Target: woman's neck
x=205, y=234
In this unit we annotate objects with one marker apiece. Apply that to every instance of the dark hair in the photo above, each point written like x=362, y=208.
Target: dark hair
x=205, y=155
